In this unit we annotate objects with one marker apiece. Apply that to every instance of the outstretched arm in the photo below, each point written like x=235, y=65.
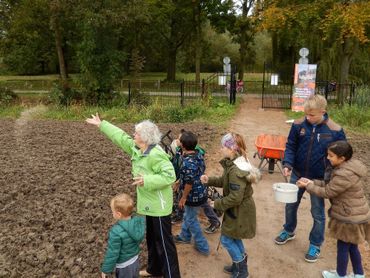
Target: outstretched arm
x=94, y=120
x=115, y=134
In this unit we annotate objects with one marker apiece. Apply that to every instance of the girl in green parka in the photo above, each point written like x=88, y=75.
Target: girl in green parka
x=239, y=219
x=153, y=175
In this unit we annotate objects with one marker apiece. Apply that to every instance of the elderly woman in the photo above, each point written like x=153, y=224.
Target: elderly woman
x=153, y=175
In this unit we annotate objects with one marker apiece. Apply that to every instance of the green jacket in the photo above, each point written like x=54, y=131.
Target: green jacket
x=239, y=219
x=123, y=242
x=155, y=197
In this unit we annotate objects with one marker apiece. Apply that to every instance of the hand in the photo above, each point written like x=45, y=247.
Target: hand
x=139, y=181
x=204, y=179
x=94, y=120
x=303, y=182
x=287, y=171
x=103, y=275
x=176, y=186
x=182, y=203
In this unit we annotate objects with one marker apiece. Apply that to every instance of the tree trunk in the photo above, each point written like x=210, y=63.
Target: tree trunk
x=55, y=26
x=348, y=48
x=275, y=48
x=171, y=67
x=198, y=49
x=243, y=39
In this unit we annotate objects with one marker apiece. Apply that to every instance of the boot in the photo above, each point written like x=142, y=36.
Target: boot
x=240, y=270
x=230, y=268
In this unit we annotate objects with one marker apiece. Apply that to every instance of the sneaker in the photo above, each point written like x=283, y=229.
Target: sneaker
x=176, y=219
x=284, y=237
x=179, y=239
x=333, y=274
x=212, y=228
x=312, y=254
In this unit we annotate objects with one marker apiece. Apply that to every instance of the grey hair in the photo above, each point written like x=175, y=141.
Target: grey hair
x=149, y=132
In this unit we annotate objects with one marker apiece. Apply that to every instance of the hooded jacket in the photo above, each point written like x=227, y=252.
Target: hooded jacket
x=123, y=242
x=345, y=191
x=306, y=148
x=177, y=158
x=154, y=198
x=192, y=167
x=239, y=209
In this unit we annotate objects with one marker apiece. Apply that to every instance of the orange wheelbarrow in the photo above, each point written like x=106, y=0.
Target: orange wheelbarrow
x=270, y=149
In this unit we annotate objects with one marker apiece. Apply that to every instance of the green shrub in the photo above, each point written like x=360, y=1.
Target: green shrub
x=139, y=98
x=7, y=96
x=65, y=97
x=362, y=96
x=353, y=116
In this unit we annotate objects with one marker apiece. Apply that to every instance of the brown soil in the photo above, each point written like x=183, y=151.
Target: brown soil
x=56, y=180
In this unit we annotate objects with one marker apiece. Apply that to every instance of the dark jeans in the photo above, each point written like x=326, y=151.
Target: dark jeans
x=162, y=254
x=343, y=249
x=210, y=213
x=317, y=212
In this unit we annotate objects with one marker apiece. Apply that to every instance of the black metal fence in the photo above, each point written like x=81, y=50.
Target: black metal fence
x=175, y=93
x=218, y=87
x=336, y=92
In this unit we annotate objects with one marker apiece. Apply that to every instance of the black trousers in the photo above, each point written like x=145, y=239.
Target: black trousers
x=162, y=254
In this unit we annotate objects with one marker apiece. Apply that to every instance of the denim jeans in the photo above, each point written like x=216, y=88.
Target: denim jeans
x=234, y=246
x=317, y=211
x=210, y=213
x=191, y=228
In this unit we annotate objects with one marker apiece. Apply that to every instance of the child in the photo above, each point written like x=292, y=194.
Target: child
x=239, y=219
x=178, y=212
x=194, y=193
x=305, y=156
x=124, y=239
x=349, y=213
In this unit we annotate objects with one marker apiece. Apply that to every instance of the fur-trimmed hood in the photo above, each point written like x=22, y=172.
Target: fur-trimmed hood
x=254, y=175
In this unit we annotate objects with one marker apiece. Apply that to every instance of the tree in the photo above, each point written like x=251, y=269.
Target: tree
x=26, y=39
x=97, y=52
x=55, y=25
x=172, y=21
x=246, y=34
x=332, y=28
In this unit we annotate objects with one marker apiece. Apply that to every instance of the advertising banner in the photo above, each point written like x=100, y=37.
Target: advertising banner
x=304, y=84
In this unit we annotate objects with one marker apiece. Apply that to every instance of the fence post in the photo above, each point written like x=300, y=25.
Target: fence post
x=129, y=92
x=263, y=83
x=203, y=88
x=352, y=92
x=182, y=93
x=326, y=91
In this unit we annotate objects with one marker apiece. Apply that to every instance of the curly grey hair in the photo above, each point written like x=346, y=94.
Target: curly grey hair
x=149, y=132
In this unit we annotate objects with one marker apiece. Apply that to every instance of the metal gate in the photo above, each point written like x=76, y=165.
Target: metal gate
x=277, y=87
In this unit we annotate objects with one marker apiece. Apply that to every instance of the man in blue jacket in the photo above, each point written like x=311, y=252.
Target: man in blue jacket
x=305, y=156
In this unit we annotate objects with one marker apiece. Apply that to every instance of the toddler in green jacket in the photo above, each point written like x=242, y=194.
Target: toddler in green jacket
x=124, y=239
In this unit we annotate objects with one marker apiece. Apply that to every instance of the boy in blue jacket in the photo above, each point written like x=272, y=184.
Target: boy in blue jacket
x=194, y=193
x=305, y=156
x=178, y=212
x=124, y=240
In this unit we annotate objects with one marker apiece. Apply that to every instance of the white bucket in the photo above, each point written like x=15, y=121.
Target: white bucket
x=285, y=192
